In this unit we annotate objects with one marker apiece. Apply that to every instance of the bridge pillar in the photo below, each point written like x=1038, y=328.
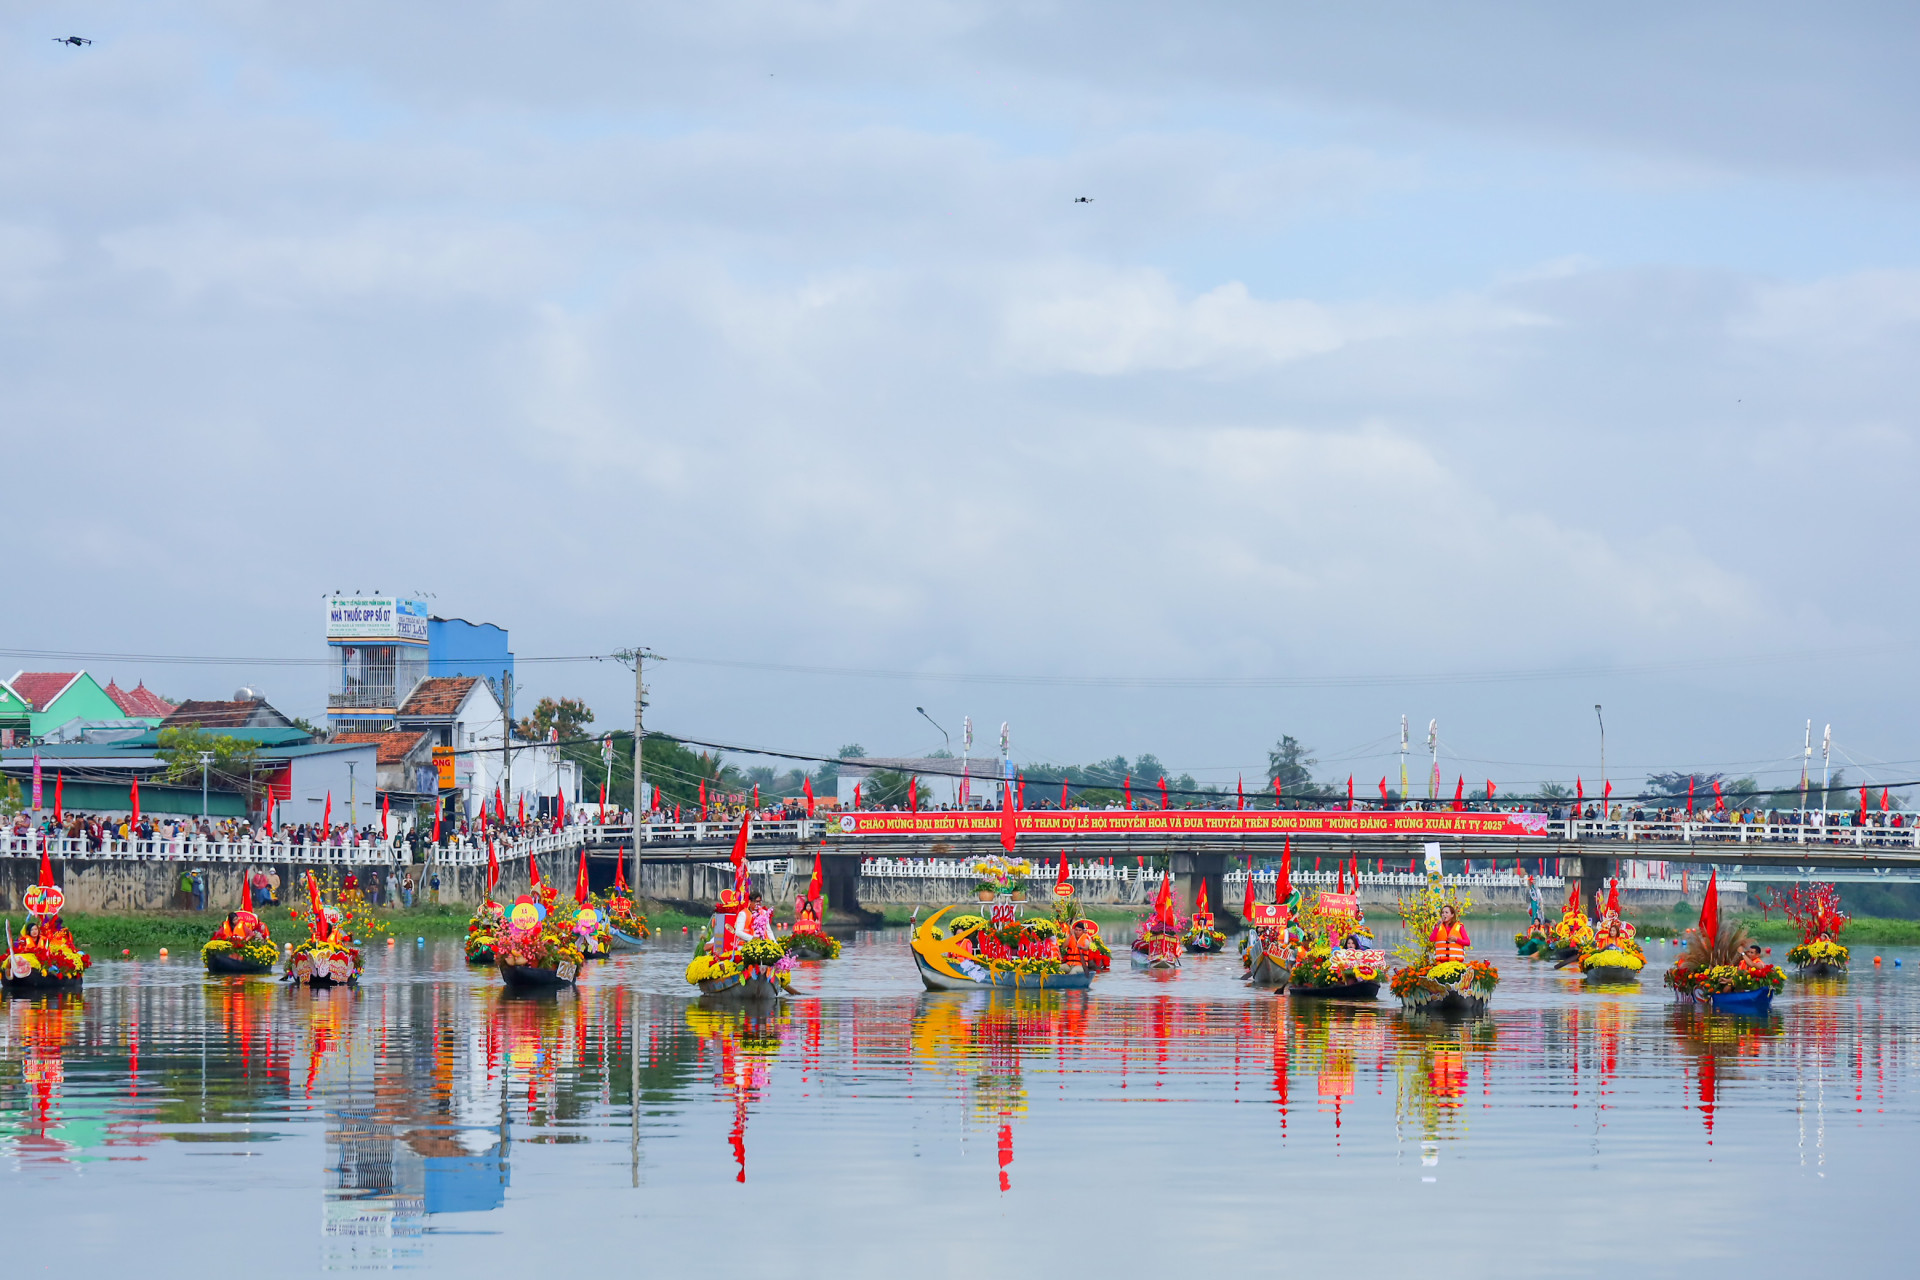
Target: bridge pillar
x=1190, y=871
x=1591, y=873
x=839, y=880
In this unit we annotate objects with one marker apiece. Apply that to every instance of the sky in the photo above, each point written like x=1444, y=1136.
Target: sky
x=1474, y=363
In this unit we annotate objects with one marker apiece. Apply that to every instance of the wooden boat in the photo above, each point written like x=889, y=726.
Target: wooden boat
x=624, y=941
x=596, y=955
x=1071, y=978
x=480, y=955
x=227, y=964
x=1748, y=1002
x=340, y=971
x=1268, y=972
x=1344, y=991
x=520, y=977
x=38, y=982
x=1822, y=969
x=1528, y=946
x=1611, y=973
x=744, y=987
x=1453, y=1004
x=1203, y=945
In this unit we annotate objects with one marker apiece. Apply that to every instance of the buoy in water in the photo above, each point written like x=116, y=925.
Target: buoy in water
x=127, y=951
x=163, y=953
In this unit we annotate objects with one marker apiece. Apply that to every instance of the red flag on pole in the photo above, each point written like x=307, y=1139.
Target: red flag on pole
x=1246, y=899
x=806, y=791
x=1606, y=796
x=603, y=804
x=1710, y=909
x=756, y=797
x=1009, y=830
x=1341, y=885
x=1063, y=802
x=56, y=794
x=1020, y=794
x=133, y=834
x=913, y=794
x=1460, y=794
x=1349, y=792
x=620, y=873
x=1163, y=791
x=856, y=795
x=1163, y=900
x=1283, y=887
x=740, y=855
x=386, y=815
x=1127, y=786
x=326, y=821
x=1863, y=802
x=60, y=782
x=1489, y=790
x=436, y=823
x=1276, y=793
x=1719, y=802
x=703, y=799
x=813, y=882
x=1689, y=795
x=1579, y=791
x=493, y=867
x=520, y=807
x=1061, y=880
x=559, y=806
x=1240, y=792
x=580, y=879
x=1383, y=793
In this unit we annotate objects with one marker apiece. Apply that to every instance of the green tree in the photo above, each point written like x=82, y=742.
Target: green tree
x=570, y=716
x=11, y=801
x=1291, y=765
x=1555, y=792
x=231, y=765
x=887, y=789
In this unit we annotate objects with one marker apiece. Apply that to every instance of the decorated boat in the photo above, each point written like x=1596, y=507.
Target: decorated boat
x=738, y=956
x=1614, y=954
x=968, y=953
x=1437, y=976
x=327, y=956
x=537, y=949
x=1157, y=942
x=1336, y=959
x=1266, y=948
x=626, y=928
x=241, y=945
x=1571, y=934
x=1722, y=966
x=1532, y=942
x=588, y=921
x=45, y=956
x=809, y=941
x=482, y=931
x=1816, y=910
x=1201, y=938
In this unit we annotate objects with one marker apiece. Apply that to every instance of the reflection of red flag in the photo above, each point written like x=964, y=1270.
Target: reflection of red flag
x=1460, y=794
x=806, y=791
x=1710, y=909
x=580, y=880
x=1009, y=830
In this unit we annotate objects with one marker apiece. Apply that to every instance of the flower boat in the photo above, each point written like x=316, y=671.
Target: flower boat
x=45, y=956
x=1201, y=938
x=1266, y=948
x=537, y=950
x=626, y=930
x=1158, y=942
x=1614, y=955
x=808, y=940
x=1437, y=976
x=1722, y=967
x=241, y=945
x=1531, y=943
x=757, y=970
x=1816, y=910
x=327, y=956
x=1335, y=960
x=968, y=953
x=1571, y=934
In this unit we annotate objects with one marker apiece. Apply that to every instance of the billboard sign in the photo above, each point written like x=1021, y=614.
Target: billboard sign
x=395, y=619
x=1049, y=823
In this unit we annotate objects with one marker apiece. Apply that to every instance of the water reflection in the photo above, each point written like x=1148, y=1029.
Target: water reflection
x=428, y=1105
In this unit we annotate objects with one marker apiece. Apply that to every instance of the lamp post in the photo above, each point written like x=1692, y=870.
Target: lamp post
x=936, y=724
x=1603, y=761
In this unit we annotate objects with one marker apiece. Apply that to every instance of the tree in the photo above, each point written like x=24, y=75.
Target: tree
x=11, y=801
x=1291, y=765
x=570, y=716
x=886, y=789
x=1555, y=792
x=826, y=779
x=229, y=769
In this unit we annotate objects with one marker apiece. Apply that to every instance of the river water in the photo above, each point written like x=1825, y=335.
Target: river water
x=170, y=1124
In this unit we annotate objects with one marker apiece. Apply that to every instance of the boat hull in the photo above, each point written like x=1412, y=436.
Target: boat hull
x=741, y=989
x=1344, y=991
x=1821, y=969
x=1451, y=1004
x=1203, y=947
x=1141, y=960
x=1754, y=1002
x=1268, y=972
x=234, y=966
x=624, y=941
x=1527, y=947
x=520, y=977
x=1064, y=981
x=483, y=955
x=1611, y=973
x=34, y=983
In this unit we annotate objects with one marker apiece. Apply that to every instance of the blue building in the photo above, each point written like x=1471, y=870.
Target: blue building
x=382, y=647
x=456, y=647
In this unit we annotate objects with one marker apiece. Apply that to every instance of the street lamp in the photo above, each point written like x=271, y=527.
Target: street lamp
x=1603, y=759
x=936, y=724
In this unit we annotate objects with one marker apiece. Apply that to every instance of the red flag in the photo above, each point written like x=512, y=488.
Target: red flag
x=1460, y=794
x=1689, y=795
x=1201, y=906
x=1009, y=830
x=493, y=868
x=499, y=807
x=740, y=854
x=580, y=880
x=603, y=804
x=620, y=873
x=1349, y=792
x=806, y=790
x=326, y=821
x=1341, y=885
x=136, y=809
x=1606, y=795
x=756, y=797
x=386, y=815
x=1383, y=793
x=1063, y=799
x=1613, y=897
x=1579, y=792
x=813, y=883
x=46, y=867
x=1020, y=795
x=1163, y=791
x=267, y=819
x=856, y=795
x=1246, y=899
x=1710, y=909
x=1062, y=878
x=1240, y=792
x=56, y=801
x=703, y=799
x=60, y=781
x=436, y=824
x=1720, y=804
x=1276, y=793
x=1163, y=900
x=559, y=806
x=1863, y=802
x=1127, y=786
x=521, y=807
x=1283, y=887
x=1489, y=790
x=913, y=794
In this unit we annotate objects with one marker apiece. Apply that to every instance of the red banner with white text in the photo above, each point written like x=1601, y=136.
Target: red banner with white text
x=1047, y=823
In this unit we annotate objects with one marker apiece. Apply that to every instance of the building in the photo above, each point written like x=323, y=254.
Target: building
x=300, y=777
x=404, y=761
x=461, y=717
x=16, y=717
x=55, y=697
x=456, y=647
x=383, y=647
x=245, y=710
x=140, y=702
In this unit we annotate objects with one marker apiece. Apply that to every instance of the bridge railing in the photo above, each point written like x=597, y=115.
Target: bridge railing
x=192, y=849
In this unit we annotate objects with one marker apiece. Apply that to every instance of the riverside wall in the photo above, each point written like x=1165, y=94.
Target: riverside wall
x=121, y=885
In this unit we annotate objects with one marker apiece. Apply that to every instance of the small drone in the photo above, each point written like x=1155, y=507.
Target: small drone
x=75, y=41
x=1083, y=199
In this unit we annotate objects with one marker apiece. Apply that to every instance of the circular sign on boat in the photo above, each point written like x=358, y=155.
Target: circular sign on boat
x=43, y=900
x=586, y=918
x=340, y=968
x=1063, y=891
x=21, y=965
x=525, y=914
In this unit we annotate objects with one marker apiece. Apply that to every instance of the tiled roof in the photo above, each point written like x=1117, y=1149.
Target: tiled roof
x=139, y=700
x=438, y=696
x=40, y=688
x=394, y=748
x=215, y=715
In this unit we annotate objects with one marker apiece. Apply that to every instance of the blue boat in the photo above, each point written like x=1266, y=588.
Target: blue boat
x=1754, y=1002
x=623, y=941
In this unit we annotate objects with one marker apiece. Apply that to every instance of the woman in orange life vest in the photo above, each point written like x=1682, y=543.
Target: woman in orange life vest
x=1449, y=937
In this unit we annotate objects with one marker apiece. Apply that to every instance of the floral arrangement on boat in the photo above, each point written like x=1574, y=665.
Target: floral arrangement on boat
x=1722, y=961
x=1726, y=979
x=968, y=951
x=45, y=954
x=1434, y=971
x=327, y=956
x=812, y=944
x=621, y=916
x=483, y=929
x=1815, y=909
x=739, y=956
x=254, y=952
x=1573, y=931
x=1200, y=933
x=551, y=944
x=1001, y=875
x=1320, y=966
x=1614, y=952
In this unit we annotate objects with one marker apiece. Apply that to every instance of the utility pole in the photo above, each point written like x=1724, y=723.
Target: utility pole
x=1603, y=760
x=638, y=657
x=1806, y=764
x=506, y=739
x=206, y=758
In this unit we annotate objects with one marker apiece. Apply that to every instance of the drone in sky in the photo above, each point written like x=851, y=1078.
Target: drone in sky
x=75, y=41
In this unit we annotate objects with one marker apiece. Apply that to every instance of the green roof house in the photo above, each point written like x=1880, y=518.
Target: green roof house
x=55, y=697
x=16, y=717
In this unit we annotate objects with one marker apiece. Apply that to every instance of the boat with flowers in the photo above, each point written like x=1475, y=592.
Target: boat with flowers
x=1722, y=966
x=1571, y=934
x=808, y=940
x=739, y=958
x=1266, y=948
x=482, y=930
x=1438, y=976
x=1816, y=910
x=626, y=928
x=1158, y=940
x=326, y=957
x=1201, y=938
x=241, y=945
x=968, y=952
x=1614, y=954
x=537, y=950
x=1336, y=959
x=1533, y=941
x=45, y=956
